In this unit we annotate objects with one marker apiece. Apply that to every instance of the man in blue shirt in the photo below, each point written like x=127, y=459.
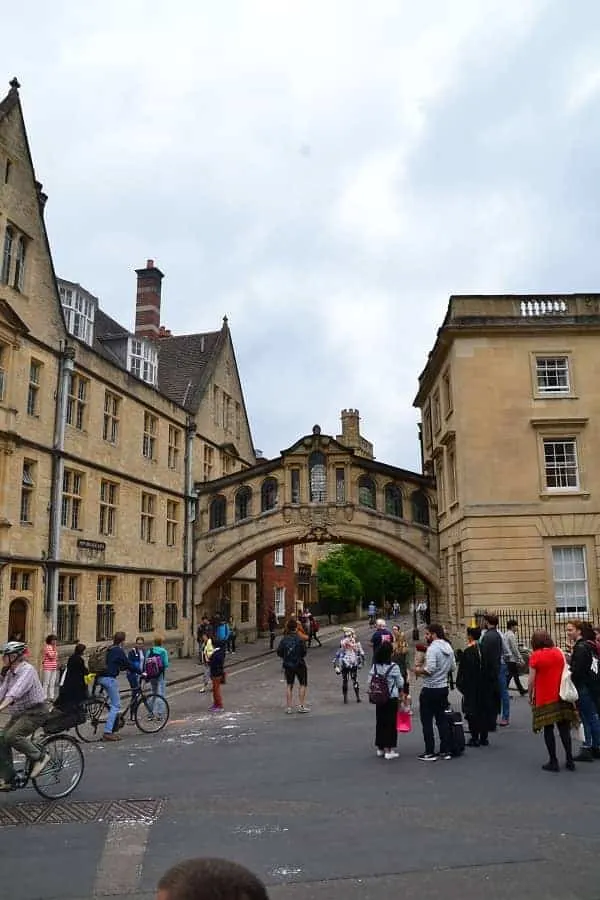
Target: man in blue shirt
x=116, y=662
x=382, y=635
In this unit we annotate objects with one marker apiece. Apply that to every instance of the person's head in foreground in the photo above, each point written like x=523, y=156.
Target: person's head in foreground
x=210, y=879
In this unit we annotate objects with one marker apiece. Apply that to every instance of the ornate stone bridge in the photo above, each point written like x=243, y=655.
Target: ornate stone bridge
x=317, y=490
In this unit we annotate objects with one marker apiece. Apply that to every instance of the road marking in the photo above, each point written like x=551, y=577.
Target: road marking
x=120, y=867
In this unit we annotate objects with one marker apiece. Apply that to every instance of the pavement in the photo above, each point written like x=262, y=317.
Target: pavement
x=304, y=802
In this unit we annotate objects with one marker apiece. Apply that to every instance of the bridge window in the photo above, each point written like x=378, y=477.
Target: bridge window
x=420, y=507
x=295, y=485
x=367, y=492
x=243, y=499
x=217, y=517
x=318, y=477
x=268, y=494
x=393, y=501
x=340, y=486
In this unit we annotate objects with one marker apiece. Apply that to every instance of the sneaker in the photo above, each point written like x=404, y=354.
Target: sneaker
x=551, y=766
x=503, y=723
x=570, y=765
x=585, y=755
x=111, y=737
x=303, y=709
x=40, y=765
x=214, y=708
x=429, y=757
x=289, y=711
x=392, y=755
x=203, y=690
x=445, y=756
x=380, y=753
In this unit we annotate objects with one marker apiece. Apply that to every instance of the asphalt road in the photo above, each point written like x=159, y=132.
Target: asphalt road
x=304, y=802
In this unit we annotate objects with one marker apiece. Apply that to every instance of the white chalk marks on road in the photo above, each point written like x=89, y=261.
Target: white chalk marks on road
x=120, y=867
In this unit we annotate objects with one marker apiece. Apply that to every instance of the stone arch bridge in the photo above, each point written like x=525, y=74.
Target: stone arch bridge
x=317, y=490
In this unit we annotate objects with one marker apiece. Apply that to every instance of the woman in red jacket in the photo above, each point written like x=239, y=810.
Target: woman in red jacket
x=546, y=665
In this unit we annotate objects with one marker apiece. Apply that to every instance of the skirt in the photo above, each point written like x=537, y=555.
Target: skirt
x=386, y=734
x=551, y=713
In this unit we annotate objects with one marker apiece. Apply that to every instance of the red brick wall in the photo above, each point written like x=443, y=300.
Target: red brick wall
x=269, y=577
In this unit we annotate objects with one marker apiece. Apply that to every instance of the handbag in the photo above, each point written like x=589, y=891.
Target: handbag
x=403, y=721
x=567, y=690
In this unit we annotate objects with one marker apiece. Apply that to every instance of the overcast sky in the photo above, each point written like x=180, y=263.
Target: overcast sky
x=325, y=173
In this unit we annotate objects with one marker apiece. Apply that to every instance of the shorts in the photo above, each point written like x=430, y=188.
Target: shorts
x=299, y=672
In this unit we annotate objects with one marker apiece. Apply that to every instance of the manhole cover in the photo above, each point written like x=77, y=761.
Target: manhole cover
x=63, y=812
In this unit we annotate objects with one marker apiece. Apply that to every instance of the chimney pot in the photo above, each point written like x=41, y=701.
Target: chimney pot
x=149, y=263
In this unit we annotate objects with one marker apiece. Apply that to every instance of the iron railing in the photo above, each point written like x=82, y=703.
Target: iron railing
x=530, y=620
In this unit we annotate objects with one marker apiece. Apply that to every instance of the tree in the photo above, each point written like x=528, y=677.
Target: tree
x=339, y=588
x=380, y=579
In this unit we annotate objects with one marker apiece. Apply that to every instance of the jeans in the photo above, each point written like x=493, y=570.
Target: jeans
x=513, y=672
x=589, y=718
x=158, y=685
x=505, y=696
x=17, y=734
x=433, y=703
x=112, y=689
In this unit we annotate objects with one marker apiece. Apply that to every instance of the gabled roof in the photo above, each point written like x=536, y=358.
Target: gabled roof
x=185, y=363
x=107, y=330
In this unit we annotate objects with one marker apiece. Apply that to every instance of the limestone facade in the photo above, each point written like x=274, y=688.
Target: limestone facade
x=103, y=435
x=510, y=428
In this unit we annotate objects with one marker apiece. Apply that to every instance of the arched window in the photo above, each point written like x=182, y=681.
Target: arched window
x=268, y=494
x=317, y=469
x=217, y=517
x=367, y=492
x=393, y=501
x=20, y=265
x=420, y=507
x=243, y=500
x=7, y=255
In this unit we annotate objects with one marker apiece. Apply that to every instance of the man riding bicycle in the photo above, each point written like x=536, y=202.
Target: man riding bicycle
x=22, y=691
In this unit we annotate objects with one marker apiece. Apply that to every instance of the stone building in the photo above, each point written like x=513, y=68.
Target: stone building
x=510, y=411
x=103, y=433
x=288, y=579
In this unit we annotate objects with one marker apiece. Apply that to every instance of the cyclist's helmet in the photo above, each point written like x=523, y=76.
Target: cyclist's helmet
x=14, y=648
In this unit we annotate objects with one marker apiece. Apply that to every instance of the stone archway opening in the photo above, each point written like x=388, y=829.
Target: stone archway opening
x=17, y=620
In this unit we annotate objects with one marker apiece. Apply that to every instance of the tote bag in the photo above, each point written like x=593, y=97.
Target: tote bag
x=403, y=721
x=567, y=690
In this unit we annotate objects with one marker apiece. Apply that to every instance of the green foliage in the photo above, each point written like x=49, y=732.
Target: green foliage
x=352, y=573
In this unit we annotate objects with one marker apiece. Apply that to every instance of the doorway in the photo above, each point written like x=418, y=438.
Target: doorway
x=17, y=619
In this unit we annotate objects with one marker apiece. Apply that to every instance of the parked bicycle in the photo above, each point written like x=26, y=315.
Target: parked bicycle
x=64, y=771
x=147, y=709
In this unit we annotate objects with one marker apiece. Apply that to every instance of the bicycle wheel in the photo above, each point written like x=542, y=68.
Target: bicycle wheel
x=65, y=769
x=151, y=713
x=96, y=714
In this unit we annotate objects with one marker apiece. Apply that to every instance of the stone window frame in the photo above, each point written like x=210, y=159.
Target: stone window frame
x=561, y=430
x=27, y=497
x=148, y=504
x=77, y=401
x=71, y=499
x=586, y=541
x=111, y=417
x=172, y=522
x=171, y=604
x=109, y=507
x=36, y=368
x=174, y=448
x=150, y=436
x=538, y=394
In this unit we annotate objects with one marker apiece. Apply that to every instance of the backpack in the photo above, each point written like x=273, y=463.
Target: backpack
x=97, y=659
x=379, y=689
x=154, y=665
x=290, y=650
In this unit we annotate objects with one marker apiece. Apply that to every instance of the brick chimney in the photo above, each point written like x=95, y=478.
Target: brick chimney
x=147, y=301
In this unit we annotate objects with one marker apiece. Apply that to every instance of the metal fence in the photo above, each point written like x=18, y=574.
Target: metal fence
x=530, y=620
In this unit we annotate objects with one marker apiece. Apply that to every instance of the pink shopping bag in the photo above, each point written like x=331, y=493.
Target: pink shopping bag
x=403, y=721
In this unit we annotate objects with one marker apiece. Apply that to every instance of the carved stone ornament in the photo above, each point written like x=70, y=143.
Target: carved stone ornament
x=210, y=545
x=288, y=514
x=321, y=535
x=349, y=512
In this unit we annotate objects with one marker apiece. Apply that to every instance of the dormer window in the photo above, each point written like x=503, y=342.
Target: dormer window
x=80, y=309
x=142, y=360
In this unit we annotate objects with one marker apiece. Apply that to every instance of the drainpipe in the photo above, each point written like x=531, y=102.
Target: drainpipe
x=188, y=528
x=66, y=366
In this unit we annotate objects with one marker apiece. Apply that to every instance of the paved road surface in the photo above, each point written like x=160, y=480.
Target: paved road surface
x=304, y=802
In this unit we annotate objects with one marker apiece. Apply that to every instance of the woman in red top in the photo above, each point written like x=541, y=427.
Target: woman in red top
x=546, y=665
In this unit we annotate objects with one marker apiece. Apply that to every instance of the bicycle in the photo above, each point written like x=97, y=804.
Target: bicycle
x=65, y=757
x=149, y=710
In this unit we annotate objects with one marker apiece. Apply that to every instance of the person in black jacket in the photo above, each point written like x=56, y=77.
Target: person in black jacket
x=585, y=674
x=492, y=649
x=475, y=686
x=73, y=689
x=292, y=652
